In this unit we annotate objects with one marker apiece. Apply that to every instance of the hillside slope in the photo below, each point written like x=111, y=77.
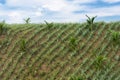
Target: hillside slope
x=60, y=52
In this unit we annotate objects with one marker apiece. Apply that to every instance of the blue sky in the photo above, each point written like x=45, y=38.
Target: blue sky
x=14, y=11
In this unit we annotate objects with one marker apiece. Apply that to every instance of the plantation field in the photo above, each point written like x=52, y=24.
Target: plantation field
x=62, y=51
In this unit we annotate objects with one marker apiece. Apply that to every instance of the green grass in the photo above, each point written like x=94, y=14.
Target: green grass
x=60, y=51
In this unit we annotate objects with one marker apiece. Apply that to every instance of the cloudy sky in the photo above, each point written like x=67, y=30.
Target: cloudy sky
x=14, y=11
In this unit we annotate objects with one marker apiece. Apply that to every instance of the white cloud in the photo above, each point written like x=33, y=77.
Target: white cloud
x=38, y=13
x=83, y=1
x=63, y=7
x=111, y=1
x=53, y=5
x=100, y=12
x=105, y=11
x=15, y=16
x=63, y=10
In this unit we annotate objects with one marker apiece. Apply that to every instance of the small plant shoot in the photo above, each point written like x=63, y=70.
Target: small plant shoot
x=49, y=25
x=115, y=36
x=90, y=22
x=2, y=26
x=23, y=45
x=73, y=43
x=80, y=77
x=27, y=20
x=99, y=62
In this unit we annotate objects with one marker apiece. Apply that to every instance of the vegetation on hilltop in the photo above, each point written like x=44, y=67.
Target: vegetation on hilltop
x=60, y=51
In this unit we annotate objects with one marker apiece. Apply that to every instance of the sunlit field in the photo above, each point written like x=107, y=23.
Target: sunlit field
x=60, y=51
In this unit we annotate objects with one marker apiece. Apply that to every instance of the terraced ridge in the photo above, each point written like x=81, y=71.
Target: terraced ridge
x=48, y=55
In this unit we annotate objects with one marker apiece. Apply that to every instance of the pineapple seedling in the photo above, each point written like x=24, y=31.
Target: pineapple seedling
x=90, y=22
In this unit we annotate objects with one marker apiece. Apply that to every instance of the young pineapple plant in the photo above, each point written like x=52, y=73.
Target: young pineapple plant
x=27, y=20
x=2, y=27
x=81, y=77
x=90, y=22
x=23, y=46
x=99, y=62
x=4, y=43
x=49, y=25
x=115, y=36
x=73, y=44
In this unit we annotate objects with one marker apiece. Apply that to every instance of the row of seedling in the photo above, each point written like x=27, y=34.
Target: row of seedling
x=31, y=56
x=67, y=36
x=87, y=50
x=13, y=55
x=28, y=59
